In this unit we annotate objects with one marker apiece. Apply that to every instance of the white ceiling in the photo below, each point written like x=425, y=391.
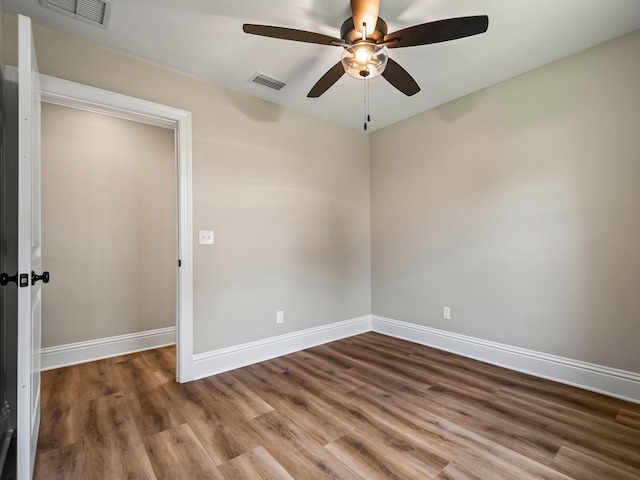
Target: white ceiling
x=205, y=38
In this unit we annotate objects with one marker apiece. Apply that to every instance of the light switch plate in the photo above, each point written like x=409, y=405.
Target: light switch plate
x=206, y=237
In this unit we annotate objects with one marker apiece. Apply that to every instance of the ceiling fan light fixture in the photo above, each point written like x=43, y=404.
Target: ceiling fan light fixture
x=364, y=37
x=364, y=60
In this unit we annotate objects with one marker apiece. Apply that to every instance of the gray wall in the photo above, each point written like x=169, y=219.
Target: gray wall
x=108, y=226
x=519, y=208
x=286, y=194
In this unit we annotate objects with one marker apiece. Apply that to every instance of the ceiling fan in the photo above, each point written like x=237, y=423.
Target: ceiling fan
x=365, y=41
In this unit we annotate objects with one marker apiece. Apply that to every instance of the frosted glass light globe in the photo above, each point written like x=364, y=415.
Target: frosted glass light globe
x=364, y=60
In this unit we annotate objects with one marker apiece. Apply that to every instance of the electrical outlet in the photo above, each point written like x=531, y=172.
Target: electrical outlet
x=280, y=317
x=446, y=313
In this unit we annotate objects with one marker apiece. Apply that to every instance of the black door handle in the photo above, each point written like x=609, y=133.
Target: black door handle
x=5, y=279
x=35, y=277
x=23, y=277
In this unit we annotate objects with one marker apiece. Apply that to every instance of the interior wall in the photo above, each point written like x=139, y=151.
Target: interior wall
x=108, y=226
x=286, y=194
x=516, y=206
x=519, y=207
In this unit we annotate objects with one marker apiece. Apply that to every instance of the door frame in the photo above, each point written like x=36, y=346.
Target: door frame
x=75, y=95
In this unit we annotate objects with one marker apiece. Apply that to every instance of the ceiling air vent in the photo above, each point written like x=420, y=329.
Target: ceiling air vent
x=95, y=12
x=265, y=81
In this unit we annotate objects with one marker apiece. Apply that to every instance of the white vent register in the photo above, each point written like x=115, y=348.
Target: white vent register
x=95, y=12
x=265, y=81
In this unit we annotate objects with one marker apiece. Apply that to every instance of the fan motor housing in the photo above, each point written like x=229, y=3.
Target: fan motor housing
x=349, y=33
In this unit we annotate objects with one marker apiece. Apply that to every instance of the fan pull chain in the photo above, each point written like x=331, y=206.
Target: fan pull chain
x=368, y=101
x=367, y=116
x=366, y=107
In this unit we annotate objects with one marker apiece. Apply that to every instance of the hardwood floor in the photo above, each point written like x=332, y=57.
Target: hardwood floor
x=364, y=408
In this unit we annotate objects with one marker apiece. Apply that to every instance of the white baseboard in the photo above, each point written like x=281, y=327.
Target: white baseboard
x=81, y=352
x=225, y=359
x=609, y=381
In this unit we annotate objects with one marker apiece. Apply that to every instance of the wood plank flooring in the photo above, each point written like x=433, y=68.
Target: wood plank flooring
x=364, y=408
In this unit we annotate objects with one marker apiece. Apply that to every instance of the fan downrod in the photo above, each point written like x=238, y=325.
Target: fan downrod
x=350, y=35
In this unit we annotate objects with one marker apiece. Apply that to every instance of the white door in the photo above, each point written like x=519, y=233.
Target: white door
x=29, y=256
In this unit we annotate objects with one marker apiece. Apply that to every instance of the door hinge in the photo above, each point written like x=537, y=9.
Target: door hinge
x=179, y=263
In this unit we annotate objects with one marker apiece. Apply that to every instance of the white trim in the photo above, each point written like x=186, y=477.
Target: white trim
x=89, y=351
x=597, y=378
x=76, y=95
x=225, y=359
x=184, y=306
x=84, y=97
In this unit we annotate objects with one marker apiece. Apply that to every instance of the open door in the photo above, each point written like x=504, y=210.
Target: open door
x=29, y=252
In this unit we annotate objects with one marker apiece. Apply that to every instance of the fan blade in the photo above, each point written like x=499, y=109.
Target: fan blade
x=327, y=81
x=292, y=34
x=365, y=11
x=400, y=78
x=435, y=32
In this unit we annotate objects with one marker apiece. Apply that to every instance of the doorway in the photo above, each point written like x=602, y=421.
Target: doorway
x=109, y=232
x=69, y=94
